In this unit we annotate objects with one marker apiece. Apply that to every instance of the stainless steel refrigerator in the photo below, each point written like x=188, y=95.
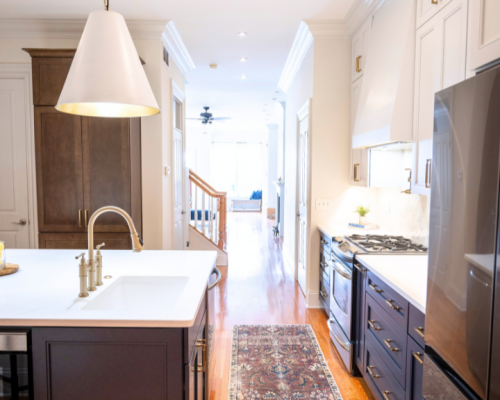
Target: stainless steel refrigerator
x=462, y=322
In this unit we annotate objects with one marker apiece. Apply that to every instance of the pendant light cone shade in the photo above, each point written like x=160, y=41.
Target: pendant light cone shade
x=106, y=78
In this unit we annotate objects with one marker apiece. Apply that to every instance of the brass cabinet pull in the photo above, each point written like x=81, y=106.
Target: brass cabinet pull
x=80, y=218
x=86, y=218
x=358, y=69
x=359, y=268
x=420, y=331
x=324, y=265
x=417, y=357
x=388, y=344
x=356, y=177
x=323, y=293
x=369, y=368
x=389, y=301
x=374, y=288
x=385, y=393
x=371, y=322
x=203, y=344
x=428, y=168
x=323, y=241
x=434, y=1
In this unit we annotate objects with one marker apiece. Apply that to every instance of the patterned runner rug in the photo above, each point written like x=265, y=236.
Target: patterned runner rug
x=279, y=362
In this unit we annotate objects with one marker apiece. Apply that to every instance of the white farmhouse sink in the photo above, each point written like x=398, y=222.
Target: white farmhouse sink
x=139, y=292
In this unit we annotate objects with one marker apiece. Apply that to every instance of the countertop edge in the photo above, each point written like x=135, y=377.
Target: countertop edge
x=396, y=288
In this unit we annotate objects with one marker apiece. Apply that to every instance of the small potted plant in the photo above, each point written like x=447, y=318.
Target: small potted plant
x=362, y=211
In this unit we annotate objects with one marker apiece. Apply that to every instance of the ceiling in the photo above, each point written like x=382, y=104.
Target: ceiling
x=209, y=30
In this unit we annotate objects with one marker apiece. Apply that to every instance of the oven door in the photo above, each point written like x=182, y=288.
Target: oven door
x=341, y=289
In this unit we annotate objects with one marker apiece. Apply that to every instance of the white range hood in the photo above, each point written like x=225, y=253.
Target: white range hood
x=385, y=109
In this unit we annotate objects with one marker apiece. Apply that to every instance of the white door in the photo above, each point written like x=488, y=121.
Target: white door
x=303, y=196
x=178, y=173
x=14, y=222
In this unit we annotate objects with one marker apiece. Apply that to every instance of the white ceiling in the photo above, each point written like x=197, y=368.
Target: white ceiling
x=209, y=30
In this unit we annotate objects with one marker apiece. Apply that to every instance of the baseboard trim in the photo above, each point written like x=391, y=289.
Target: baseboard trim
x=313, y=300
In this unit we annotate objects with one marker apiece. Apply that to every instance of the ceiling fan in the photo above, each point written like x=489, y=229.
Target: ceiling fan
x=206, y=117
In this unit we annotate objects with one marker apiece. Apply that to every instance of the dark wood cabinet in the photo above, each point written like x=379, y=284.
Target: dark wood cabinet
x=82, y=163
x=121, y=363
x=114, y=241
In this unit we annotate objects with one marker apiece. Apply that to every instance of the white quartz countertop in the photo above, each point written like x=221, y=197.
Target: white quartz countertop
x=45, y=290
x=406, y=274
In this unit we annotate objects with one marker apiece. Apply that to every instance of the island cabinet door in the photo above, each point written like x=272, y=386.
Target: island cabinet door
x=359, y=317
x=414, y=370
x=107, y=363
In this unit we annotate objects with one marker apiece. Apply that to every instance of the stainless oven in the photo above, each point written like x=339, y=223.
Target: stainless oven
x=15, y=365
x=341, y=297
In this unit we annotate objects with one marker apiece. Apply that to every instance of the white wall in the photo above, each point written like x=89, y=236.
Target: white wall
x=156, y=130
x=299, y=92
x=272, y=165
x=198, y=145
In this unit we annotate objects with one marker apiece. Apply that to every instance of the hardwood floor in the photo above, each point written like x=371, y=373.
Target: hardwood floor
x=258, y=288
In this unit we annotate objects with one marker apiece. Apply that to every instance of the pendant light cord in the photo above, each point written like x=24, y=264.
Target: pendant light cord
x=106, y=5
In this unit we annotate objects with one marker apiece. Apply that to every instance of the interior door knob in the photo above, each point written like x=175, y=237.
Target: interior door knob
x=298, y=214
x=21, y=222
x=183, y=212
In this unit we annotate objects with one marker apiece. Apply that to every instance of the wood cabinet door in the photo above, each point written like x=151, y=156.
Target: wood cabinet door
x=484, y=33
x=107, y=173
x=49, y=75
x=59, y=171
x=114, y=241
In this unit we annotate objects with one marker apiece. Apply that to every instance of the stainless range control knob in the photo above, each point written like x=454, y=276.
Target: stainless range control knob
x=338, y=239
x=353, y=250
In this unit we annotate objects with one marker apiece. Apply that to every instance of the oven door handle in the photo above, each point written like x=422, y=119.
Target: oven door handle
x=345, y=346
x=340, y=271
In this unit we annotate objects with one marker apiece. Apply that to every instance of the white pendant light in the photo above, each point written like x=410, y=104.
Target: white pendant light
x=106, y=78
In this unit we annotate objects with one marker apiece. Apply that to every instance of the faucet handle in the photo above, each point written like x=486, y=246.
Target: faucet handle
x=99, y=246
x=80, y=255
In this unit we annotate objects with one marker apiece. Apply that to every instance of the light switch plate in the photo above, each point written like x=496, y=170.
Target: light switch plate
x=323, y=204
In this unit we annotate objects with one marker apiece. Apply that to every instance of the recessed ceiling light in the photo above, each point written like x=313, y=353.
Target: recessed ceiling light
x=241, y=34
x=243, y=77
x=243, y=59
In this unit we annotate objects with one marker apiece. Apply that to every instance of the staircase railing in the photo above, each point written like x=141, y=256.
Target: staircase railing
x=208, y=214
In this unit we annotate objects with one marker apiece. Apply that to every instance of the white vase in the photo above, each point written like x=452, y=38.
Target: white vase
x=363, y=220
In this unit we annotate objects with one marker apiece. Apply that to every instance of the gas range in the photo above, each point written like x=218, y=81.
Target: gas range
x=347, y=246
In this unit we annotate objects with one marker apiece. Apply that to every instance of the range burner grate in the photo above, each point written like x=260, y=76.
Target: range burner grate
x=387, y=243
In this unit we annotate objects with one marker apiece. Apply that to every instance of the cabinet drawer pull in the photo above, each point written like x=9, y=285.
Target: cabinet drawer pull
x=358, y=69
x=420, y=331
x=389, y=301
x=369, y=369
x=385, y=393
x=323, y=293
x=360, y=268
x=202, y=343
x=356, y=166
x=324, y=241
x=324, y=265
x=86, y=218
x=417, y=357
x=434, y=1
x=371, y=322
x=388, y=344
x=374, y=288
x=80, y=218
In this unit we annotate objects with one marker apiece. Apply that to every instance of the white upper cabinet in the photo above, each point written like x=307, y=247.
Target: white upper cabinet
x=440, y=62
x=484, y=28
x=426, y=9
x=360, y=44
x=359, y=157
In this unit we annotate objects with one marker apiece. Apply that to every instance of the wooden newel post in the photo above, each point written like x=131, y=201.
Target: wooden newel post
x=222, y=223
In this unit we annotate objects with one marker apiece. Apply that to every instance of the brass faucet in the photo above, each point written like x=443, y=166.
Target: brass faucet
x=137, y=244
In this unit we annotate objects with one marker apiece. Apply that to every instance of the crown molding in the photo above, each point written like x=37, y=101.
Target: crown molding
x=301, y=43
x=175, y=46
x=359, y=11
x=71, y=28
x=328, y=28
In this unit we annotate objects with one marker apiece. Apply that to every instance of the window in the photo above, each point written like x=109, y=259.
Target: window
x=236, y=168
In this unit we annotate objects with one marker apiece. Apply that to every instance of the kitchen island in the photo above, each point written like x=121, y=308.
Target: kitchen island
x=142, y=335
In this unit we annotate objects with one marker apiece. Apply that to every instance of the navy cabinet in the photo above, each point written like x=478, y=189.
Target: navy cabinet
x=414, y=370
x=360, y=276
